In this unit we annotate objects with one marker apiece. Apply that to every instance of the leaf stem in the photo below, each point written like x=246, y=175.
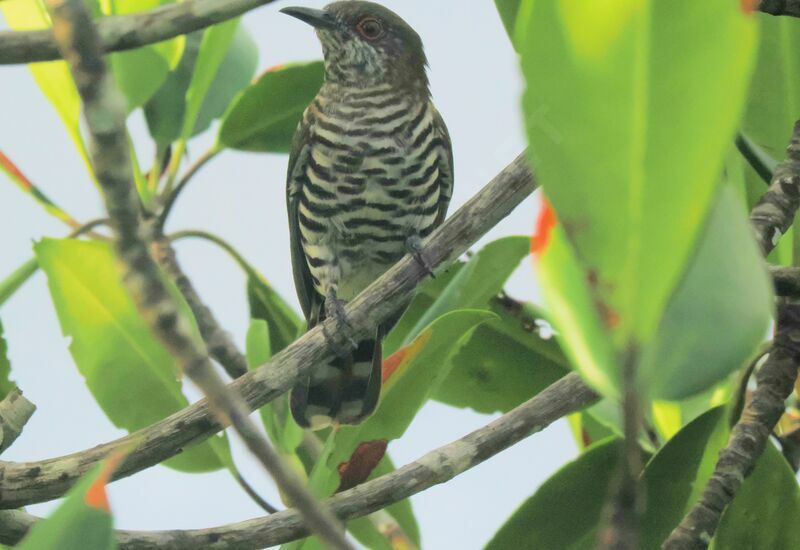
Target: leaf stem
x=171, y=195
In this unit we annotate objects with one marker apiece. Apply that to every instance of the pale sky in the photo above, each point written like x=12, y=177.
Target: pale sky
x=476, y=86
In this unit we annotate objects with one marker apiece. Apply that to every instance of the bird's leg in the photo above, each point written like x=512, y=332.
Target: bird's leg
x=342, y=342
x=414, y=247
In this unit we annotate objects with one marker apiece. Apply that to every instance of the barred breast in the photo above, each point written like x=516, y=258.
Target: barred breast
x=371, y=182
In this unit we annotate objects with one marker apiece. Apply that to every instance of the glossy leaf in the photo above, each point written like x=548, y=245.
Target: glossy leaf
x=765, y=510
x=52, y=77
x=213, y=49
x=719, y=313
x=266, y=304
x=281, y=427
x=6, y=385
x=675, y=477
x=481, y=279
x=130, y=374
x=83, y=521
x=565, y=511
x=508, y=10
x=630, y=171
x=15, y=280
x=265, y=115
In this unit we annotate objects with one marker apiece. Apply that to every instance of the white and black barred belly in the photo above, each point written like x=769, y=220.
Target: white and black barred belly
x=375, y=174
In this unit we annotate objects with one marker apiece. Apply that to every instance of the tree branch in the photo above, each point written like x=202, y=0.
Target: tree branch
x=15, y=411
x=105, y=116
x=749, y=437
x=774, y=213
x=563, y=397
x=780, y=7
x=771, y=218
x=127, y=32
x=220, y=344
x=29, y=482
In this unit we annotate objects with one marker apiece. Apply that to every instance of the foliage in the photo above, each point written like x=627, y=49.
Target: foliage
x=641, y=247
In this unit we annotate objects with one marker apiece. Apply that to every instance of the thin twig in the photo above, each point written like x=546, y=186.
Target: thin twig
x=29, y=482
x=105, y=116
x=127, y=32
x=563, y=397
x=219, y=342
x=172, y=196
x=749, y=437
x=759, y=161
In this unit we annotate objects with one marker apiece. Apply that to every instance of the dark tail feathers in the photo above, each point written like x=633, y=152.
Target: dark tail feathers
x=343, y=391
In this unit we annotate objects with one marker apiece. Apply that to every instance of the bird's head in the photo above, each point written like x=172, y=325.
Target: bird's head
x=365, y=44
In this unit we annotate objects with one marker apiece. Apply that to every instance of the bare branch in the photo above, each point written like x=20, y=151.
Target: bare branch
x=561, y=398
x=126, y=32
x=786, y=281
x=15, y=411
x=105, y=116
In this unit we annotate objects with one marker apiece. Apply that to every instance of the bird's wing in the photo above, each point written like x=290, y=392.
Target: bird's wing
x=310, y=300
x=446, y=169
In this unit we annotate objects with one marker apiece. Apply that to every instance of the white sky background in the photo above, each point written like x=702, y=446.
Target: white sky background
x=240, y=196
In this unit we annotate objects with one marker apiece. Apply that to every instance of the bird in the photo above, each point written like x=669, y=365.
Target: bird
x=370, y=176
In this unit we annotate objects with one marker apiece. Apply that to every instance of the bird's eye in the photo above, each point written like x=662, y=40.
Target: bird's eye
x=370, y=28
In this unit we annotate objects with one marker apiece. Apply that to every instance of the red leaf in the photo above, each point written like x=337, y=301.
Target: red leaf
x=405, y=354
x=15, y=172
x=749, y=6
x=96, y=494
x=544, y=227
x=364, y=459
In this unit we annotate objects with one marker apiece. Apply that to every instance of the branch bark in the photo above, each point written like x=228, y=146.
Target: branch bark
x=780, y=7
x=127, y=32
x=28, y=482
x=105, y=116
x=563, y=397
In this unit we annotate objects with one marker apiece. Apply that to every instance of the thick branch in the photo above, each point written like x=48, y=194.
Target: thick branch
x=15, y=411
x=749, y=437
x=774, y=213
x=26, y=483
x=105, y=116
x=780, y=7
x=126, y=32
x=567, y=395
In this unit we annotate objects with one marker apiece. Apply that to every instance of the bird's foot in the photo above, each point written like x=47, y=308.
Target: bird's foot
x=414, y=247
x=342, y=340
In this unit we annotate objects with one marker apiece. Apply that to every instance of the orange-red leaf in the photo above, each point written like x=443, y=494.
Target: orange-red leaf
x=15, y=172
x=403, y=356
x=96, y=496
x=363, y=460
x=544, y=227
x=749, y=6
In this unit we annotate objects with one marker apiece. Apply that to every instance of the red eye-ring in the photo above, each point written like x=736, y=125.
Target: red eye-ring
x=370, y=28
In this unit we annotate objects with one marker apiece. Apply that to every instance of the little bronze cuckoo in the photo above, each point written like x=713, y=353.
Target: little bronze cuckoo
x=370, y=175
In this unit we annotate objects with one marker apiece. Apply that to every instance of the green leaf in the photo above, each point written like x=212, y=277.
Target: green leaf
x=411, y=375
x=719, y=313
x=52, y=77
x=213, y=49
x=266, y=304
x=284, y=432
x=265, y=115
x=13, y=282
x=765, y=511
x=508, y=10
x=130, y=374
x=6, y=385
x=630, y=171
x=481, y=279
x=83, y=521
x=565, y=510
x=675, y=477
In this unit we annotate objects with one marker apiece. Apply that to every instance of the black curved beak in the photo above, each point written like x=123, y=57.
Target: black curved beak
x=316, y=18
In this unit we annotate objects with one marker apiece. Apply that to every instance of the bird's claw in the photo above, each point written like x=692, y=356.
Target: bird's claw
x=342, y=341
x=414, y=247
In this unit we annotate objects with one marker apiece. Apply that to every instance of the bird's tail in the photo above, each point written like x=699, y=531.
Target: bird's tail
x=342, y=391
